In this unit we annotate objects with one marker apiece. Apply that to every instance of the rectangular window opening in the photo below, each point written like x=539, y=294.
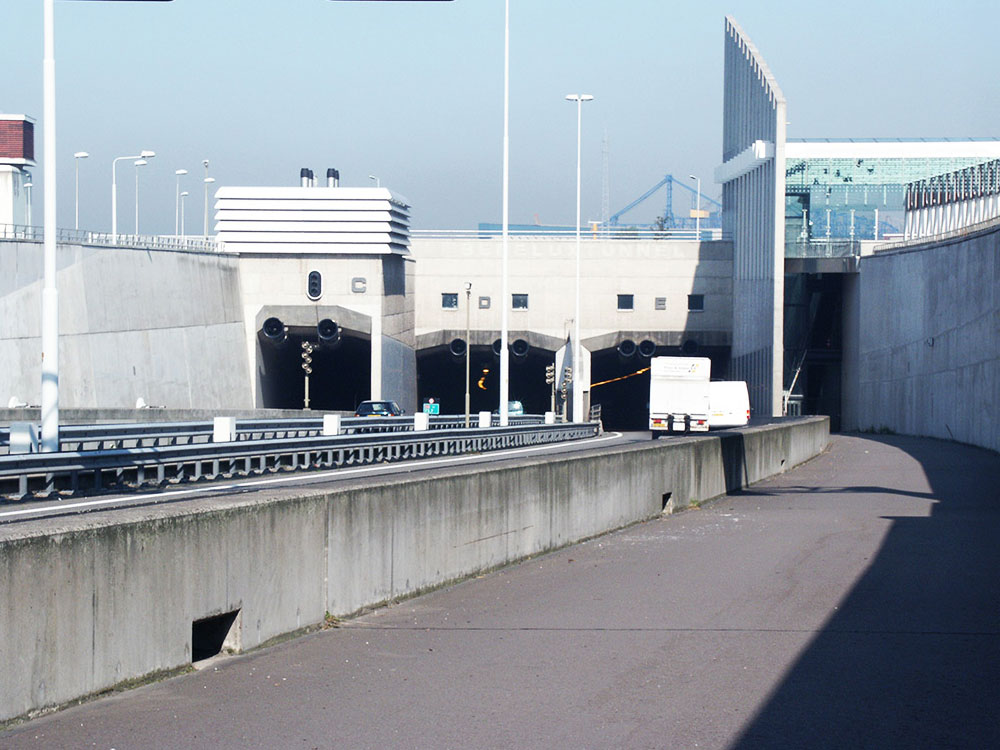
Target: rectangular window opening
x=626, y=302
x=519, y=301
x=213, y=635
x=449, y=300
x=696, y=302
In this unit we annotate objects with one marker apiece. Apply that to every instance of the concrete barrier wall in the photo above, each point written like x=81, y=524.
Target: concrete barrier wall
x=928, y=358
x=98, y=600
x=163, y=326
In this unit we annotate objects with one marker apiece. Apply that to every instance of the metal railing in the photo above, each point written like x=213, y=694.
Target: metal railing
x=586, y=234
x=197, y=244
x=97, y=437
x=22, y=475
x=823, y=248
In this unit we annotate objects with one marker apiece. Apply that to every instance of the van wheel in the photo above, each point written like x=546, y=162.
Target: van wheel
x=656, y=434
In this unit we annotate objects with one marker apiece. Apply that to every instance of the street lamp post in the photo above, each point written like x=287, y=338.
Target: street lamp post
x=181, y=197
x=50, y=294
x=468, y=345
x=577, y=348
x=27, y=203
x=505, y=229
x=144, y=154
x=376, y=180
x=177, y=205
x=697, y=211
x=138, y=163
x=208, y=181
x=76, y=159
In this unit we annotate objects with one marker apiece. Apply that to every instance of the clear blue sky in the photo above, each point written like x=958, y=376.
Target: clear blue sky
x=412, y=92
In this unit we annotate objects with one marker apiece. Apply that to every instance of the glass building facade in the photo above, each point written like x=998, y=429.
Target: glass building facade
x=853, y=190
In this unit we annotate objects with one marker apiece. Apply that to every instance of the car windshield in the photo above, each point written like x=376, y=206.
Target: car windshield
x=383, y=408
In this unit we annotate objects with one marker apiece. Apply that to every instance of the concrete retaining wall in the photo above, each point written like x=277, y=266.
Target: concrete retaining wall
x=90, y=602
x=928, y=358
x=163, y=326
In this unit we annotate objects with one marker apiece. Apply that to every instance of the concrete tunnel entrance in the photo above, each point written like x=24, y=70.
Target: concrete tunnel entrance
x=341, y=369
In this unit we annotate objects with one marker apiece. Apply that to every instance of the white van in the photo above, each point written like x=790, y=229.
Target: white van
x=728, y=404
x=678, y=394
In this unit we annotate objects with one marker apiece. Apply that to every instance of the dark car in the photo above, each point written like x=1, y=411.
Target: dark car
x=378, y=409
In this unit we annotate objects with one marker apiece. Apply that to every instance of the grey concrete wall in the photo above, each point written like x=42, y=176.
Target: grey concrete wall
x=164, y=326
x=928, y=360
x=544, y=269
x=89, y=602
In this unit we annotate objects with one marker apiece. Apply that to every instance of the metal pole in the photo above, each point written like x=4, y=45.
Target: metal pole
x=205, y=162
x=136, y=200
x=468, y=347
x=114, y=202
x=577, y=410
x=577, y=393
x=50, y=295
x=504, y=291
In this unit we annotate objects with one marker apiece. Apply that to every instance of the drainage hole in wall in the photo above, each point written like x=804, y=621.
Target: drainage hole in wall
x=666, y=500
x=210, y=635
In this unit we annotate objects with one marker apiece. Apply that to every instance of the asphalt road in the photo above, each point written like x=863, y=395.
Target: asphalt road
x=851, y=603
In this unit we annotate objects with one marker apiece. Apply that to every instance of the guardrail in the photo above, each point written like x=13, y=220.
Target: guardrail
x=91, y=437
x=22, y=475
x=187, y=244
x=586, y=233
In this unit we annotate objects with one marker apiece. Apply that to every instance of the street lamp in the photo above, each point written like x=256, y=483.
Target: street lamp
x=50, y=294
x=76, y=160
x=138, y=163
x=468, y=345
x=181, y=198
x=505, y=228
x=177, y=204
x=208, y=181
x=27, y=203
x=697, y=211
x=376, y=180
x=577, y=348
x=144, y=154
x=205, y=181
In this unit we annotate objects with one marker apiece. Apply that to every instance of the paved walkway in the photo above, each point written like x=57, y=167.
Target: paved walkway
x=851, y=603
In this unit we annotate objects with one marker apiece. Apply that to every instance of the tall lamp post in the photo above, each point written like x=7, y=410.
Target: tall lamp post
x=697, y=211
x=468, y=345
x=505, y=229
x=577, y=348
x=205, y=181
x=76, y=159
x=50, y=295
x=177, y=205
x=138, y=163
x=144, y=154
x=181, y=197
x=27, y=203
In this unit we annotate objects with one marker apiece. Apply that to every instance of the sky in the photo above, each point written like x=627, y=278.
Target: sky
x=412, y=93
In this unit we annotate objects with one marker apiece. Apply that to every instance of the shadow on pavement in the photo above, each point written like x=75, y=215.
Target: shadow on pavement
x=911, y=659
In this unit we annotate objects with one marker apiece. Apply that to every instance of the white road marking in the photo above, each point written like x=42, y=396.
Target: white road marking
x=307, y=477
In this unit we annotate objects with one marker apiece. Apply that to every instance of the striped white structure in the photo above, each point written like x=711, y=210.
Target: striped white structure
x=303, y=220
x=753, y=206
x=952, y=201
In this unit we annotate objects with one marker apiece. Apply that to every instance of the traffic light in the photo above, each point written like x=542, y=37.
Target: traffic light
x=307, y=350
x=550, y=374
x=314, y=285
